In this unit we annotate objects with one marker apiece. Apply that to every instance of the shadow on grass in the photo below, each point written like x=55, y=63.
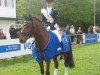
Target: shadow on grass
x=15, y=60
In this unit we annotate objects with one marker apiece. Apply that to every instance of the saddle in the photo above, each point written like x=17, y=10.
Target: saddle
x=57, y=34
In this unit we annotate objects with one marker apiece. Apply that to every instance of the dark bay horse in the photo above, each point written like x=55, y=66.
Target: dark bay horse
x=34, y=27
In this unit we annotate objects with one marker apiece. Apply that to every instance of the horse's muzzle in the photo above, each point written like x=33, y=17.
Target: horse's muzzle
x=22, y=41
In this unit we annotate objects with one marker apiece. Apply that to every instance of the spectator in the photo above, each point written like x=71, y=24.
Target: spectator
x=98, y=30
x=90, y=29
x=13, y=32
x=72, y=31
x=79, y=36
x=2, y=35
x=94, y=29
x=67, y=30
x=18, y=28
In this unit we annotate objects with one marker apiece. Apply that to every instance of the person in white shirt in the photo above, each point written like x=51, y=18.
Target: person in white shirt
x=72, y=31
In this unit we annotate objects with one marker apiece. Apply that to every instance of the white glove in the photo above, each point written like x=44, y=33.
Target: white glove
x=56, y=26
x=48, y=28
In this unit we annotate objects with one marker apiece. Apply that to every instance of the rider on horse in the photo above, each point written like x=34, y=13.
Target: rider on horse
x=50, y=16
x=49, y=19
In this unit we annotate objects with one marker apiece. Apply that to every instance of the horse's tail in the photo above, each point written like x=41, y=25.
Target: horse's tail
x=69, y=60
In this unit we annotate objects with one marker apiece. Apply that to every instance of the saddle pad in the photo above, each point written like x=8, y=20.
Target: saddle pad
x=52, y=48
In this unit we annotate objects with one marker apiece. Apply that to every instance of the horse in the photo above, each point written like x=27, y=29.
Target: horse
x=35, y=28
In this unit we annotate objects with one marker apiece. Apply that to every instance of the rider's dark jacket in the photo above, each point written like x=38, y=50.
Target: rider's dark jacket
x=54, y=15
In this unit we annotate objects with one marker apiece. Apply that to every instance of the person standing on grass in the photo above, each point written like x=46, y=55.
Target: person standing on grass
x=79, y=36
x=67, y=30
x=72, y=31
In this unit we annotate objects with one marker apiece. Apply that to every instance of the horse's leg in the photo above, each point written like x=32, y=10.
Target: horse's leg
x=41, y=67
x=65, y=54
x=56, y=65
x=48, y=68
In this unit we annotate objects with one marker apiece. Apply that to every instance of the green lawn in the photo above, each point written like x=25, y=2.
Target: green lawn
x=86, y=57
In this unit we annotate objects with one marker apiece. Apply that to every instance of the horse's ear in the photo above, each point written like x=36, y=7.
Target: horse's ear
x=25, y=17
x=30, y=18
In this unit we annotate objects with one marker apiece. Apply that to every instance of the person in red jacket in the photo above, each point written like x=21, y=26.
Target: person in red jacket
x=2, y=35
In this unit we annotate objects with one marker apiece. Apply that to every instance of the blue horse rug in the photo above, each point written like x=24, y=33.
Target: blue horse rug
x=52, y=48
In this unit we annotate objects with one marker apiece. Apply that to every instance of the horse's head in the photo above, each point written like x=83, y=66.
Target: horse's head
x=27, y=30
x=31, y=27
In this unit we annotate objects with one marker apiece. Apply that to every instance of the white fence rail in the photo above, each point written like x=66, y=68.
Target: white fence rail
x=12, y=47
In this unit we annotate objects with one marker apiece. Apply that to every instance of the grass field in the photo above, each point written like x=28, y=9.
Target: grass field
x=86, y=57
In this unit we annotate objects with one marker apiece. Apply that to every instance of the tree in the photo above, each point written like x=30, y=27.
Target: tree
x=25, y=7
x=76, y=12
x=97, y=3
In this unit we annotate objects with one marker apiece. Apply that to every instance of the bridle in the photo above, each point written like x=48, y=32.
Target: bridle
x=29, y=34
x=26, y=34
